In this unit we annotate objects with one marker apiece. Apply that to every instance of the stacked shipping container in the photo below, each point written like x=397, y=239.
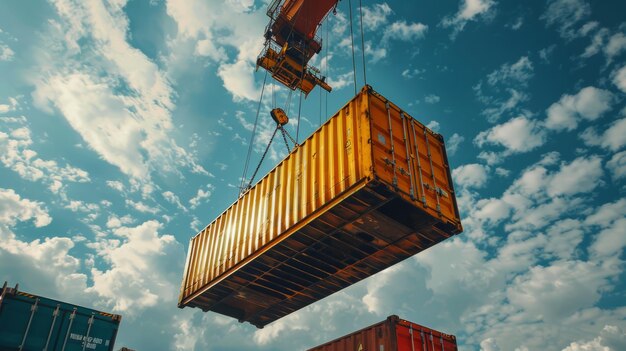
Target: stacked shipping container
x=392, y=334
x=31, y=322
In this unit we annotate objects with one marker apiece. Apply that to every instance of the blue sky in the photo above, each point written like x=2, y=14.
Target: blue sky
x=124, y=128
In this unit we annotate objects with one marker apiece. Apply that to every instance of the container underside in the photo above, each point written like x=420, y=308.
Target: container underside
x=367, y=232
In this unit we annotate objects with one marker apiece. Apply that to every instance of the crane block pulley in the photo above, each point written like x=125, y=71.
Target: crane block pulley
x=291, y=42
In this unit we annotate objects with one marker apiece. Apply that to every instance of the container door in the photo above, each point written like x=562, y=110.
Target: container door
x=412, y=160
x=410, y=339
x=415, y=338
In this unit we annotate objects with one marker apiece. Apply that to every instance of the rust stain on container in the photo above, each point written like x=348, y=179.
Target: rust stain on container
x=370, y=188
x=392, y=334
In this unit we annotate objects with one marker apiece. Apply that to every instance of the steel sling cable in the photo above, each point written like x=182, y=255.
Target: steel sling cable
x=326, y=64
x=283, y=132
x=352, y=41
x=299, y=109
x=362, y=42
x=250, y=146
x=262, y=158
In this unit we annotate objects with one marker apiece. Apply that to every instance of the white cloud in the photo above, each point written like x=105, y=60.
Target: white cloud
x=581, y=175
x=555, y=292
x=611, y=338
x=517, y=24
x=519, y=72
x=81, y=206
x=341, y=80
x=213, y=27
x=115, y=184
x=596, y=42
x=606, y=214
x=375, y=16
x=545, y=53
x=431, y=99
x=239, y=81
x=610, y=241
x=589, y=103
x=18, y=155
x=135, y=279
x=123, y=115
x=452, y=145
x=469, y=10
x=11, y=106
x=434, y=126
x=617, y=165
x=201, y=196
x=401, y=30
x=116, y=222
x=412, y=72
x=509, y=78
x=499, y=108
x=14, y=208
x=141, y=207
x=492, y=210
x=602, y=40
x=615, y=46
x=6, y=54
x=470, y=175
x=375, y=54
x=47, y=262
x=565, y=15
x=519, y=134
x=619, y=79
x=613, y=138
x=174, y=199
x=91, y=108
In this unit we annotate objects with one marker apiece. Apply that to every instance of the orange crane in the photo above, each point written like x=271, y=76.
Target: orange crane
x=291, y=42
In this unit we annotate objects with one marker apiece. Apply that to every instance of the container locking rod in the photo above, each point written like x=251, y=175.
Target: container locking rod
x=33, y=309
x=419, y=163
x=432, y=173
x=54, y=314
x=408, y=157
x=69, y=328
x=391, y=142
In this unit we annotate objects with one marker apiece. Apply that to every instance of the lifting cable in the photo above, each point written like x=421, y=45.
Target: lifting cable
x=362, y=42
x=299, y=109
x=285, y=135
x=326, y=61
x=320, y=90
x=352, y=41
x=262, y=157
x=251, y=144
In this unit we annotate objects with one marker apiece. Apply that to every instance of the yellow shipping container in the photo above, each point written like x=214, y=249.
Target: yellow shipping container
x=370, y=188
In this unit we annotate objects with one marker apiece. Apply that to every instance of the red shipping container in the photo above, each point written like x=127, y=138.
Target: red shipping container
x=392, y=334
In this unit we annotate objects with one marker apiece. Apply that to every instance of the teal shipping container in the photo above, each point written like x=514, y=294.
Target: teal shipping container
x=29, y=322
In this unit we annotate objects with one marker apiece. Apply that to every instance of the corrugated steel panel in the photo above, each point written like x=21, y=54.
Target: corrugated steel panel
x=392, y=334
x=368, y=189
x=31, y=322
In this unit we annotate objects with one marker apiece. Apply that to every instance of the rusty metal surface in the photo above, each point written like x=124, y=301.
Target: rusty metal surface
x=331, y=214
